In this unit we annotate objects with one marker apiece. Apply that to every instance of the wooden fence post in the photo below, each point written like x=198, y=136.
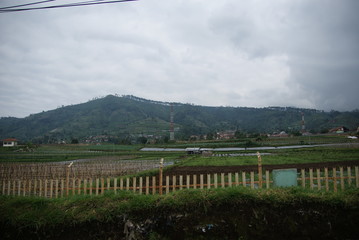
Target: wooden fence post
x=326, y=179
x=181, y=182
x=229, y=179
x=19, y=188
x=167, y=184
x=260, y=174
x=127, y=184
x=335, y=179
x=91, y=184
x=267, y=179
x=121, y=183
x=161, y=176
x=311, y=183
x=85, y=186
x=201, y=181
x=56, y=188
x=97, y=185
x=102, y=186
x=215, y=180
x=141, y=183
x=188, y=181
x=24, y=188
x=222, y=180
x=115, y=185
x=147, y=185
x=208, y=181
x=134, y=184
x=252, y=180
x=357, y=177
x=236, y=179
x=319, y=179
x=349, y=172
x=174, y=183
x=153, y=185
x=303, y=178
x=244, y=179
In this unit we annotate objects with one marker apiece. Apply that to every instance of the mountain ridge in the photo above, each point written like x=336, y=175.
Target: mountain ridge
x=130, y=116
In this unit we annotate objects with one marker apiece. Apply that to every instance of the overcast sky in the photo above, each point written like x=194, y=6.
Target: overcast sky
x=300, y=53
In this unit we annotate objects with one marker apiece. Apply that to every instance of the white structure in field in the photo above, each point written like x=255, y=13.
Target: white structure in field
x=9, y=142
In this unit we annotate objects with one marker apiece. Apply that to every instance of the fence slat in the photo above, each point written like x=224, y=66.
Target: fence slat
x=244, y=179
x=174, y=183
x=187, y=181
x=85, y=186
x=167, y=184
x=147, y=185
x=51, y=187
x=311, y=182
x=208, y=181
x=153, y=185
x=19, y=188
x=115, y=185
x=303, y=177
x=201, y=181
x=141, y=183
x=335, y=180
x=222, y=180
x=236, y=179
x=127, y=184
x=357, y=177
x=326, y=179
x=181, y=182
x=91, y=184
x=194, y=181
x=57, y=187
x=134, y=184
x=229, y=179
x=215, y=180
x=341, y=178
x=349, y=172
x=319, y=179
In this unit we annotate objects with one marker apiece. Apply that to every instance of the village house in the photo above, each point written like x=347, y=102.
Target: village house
x=340, y=129
x=9, y=142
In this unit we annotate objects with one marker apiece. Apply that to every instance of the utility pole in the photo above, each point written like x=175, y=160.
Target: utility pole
x=172, y=131
x=260, y=174
x=161, y=176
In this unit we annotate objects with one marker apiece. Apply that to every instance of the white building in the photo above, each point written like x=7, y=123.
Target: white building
x=9, y=142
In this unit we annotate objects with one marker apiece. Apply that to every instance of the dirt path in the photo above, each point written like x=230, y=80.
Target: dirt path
x=228, y=169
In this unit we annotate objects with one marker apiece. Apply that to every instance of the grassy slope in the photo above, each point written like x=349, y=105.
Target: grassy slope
x=37, y=217
x=287, y=156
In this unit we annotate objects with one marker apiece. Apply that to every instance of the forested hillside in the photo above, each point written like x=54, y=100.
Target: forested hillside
x=127, y=117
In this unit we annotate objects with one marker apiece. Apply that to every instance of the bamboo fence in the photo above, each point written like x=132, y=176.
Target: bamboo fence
x=79, y=170
x=333, y=179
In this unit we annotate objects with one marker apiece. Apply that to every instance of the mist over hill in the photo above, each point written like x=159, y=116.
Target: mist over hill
x=124, y=118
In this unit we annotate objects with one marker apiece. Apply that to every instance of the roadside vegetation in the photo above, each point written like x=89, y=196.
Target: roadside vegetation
x=231, y=213
x=65, y=152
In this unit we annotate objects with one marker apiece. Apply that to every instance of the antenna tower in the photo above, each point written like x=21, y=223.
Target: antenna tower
x=172, y=131
x=303, y=123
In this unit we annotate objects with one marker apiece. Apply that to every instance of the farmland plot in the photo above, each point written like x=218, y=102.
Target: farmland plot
x=84, y=168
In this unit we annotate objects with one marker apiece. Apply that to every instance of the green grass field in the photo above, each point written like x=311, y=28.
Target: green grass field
x=285, y=156
x=55, y=153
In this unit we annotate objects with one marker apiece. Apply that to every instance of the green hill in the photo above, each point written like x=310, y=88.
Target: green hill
x=127, y=117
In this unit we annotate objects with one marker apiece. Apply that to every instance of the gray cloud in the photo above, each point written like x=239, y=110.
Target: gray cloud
x=244, y=53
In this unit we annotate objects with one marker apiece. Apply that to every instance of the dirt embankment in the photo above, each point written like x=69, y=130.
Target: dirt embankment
x=232, y=169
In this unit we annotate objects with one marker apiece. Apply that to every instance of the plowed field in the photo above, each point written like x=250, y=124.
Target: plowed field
x=228, y=169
